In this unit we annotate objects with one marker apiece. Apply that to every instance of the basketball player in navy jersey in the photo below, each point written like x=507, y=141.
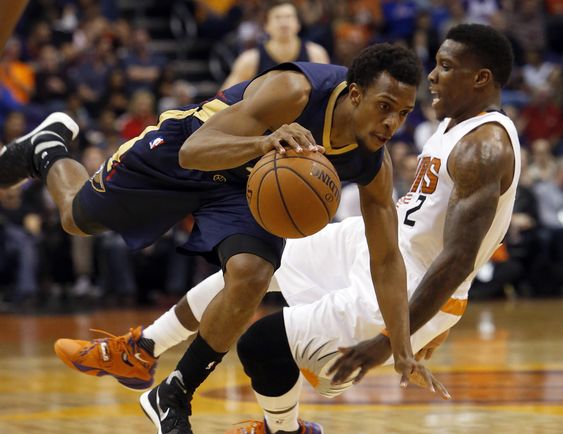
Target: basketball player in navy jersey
x=195, y=161
x=283, y=45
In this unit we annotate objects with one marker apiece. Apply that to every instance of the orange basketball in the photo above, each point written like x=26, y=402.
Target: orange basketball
x=293, y=195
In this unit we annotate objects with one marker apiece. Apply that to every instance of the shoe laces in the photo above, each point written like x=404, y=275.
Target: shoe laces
x=124, y=344
x=252, y=427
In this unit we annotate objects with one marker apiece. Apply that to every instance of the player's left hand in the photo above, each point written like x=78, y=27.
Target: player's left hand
x=363, y=356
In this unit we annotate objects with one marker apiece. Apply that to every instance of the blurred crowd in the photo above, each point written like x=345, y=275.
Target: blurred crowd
x=103, y=67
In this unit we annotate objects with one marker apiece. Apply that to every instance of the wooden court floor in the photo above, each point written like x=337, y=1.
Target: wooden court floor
x=503, y=364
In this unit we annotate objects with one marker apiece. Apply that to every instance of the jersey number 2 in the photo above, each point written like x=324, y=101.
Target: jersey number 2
x=408, y=221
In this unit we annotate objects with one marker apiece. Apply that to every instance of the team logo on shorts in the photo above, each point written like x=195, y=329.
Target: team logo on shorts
x=156, y=142
x=219, y=178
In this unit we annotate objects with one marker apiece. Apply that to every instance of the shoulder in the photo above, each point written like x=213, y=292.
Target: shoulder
x=286, y=84
x=248, y=57
x=316, y=53
x=485, y=153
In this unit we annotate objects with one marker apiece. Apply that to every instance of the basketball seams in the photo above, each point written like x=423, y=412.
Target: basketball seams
x=331, y=167
x=259, y=186
x=295, y=213
x=310, y=188
x=283, y=198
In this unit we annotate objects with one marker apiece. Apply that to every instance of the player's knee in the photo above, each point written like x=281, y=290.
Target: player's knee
x=248, y=276
x=248, y=350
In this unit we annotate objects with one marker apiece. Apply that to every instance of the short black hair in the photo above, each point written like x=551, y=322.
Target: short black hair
x=401, y=63
x=271, y=4
x=488, y=46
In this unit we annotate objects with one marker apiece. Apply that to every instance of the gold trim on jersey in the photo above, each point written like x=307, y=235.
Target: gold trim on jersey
x=328, y=123
x=169, y=114
x=209, y=109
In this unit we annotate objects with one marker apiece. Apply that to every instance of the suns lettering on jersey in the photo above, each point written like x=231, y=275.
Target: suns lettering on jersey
x=427, y=174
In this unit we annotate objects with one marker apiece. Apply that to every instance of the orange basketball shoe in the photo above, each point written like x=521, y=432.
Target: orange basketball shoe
x=260, y=427
x=118, y=356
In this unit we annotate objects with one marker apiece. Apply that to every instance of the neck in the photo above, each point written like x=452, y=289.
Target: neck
x=341, y=133
x=284, y=42
x=482, y=104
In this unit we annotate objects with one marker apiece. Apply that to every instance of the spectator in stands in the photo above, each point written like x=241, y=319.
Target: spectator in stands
x=116, y=97
x=480, y=11
x=141, y=114
x=182, y=93
x=90, y=76
x=142, y=66
x=542, y=118
x=52, y=87
x=284, y=45
x=83, y=248
x=527, y=24
x=16, y=76
x=542, y=164
x=426, y=128
x=549, y=194
x=18, y=247
x=537, y=71
x=104, y=134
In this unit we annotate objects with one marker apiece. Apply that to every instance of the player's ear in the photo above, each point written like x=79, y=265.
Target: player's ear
x=355, y=94
x=483, y=77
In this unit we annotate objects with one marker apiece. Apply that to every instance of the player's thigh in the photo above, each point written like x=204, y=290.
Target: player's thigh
x=316, y=330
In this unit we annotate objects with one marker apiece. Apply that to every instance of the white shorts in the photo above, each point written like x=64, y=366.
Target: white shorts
x=327, y=282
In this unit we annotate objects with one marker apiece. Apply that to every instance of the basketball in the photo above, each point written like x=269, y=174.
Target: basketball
x=293, y=195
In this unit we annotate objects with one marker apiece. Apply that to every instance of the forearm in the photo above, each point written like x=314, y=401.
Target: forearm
x=441, y=280
x=392, y=298
x=215, y=150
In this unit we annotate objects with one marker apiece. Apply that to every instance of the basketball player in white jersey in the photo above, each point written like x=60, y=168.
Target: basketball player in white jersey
x=451, y=221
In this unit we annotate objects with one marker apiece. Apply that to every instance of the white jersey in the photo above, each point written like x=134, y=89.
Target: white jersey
x=422, y=211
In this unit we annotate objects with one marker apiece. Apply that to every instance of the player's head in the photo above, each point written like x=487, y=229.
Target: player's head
x=382, y=82
x=472, y=65
x=281, y=20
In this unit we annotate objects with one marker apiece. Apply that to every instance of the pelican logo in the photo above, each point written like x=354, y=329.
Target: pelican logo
x=219, y=178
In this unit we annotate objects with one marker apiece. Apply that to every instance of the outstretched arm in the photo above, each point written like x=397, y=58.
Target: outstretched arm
x=9, y=15
x=388, y=275
x=234, y=136
x=481, y=167
x=386, y=263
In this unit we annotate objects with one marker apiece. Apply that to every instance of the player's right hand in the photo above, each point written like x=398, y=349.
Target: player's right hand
x=292, y=136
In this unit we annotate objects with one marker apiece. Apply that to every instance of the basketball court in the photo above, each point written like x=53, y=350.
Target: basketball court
x=503, y=365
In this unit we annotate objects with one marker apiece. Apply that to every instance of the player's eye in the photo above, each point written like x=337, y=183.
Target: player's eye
x=384, y=106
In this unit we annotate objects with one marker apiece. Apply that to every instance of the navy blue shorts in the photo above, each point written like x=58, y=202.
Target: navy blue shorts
x=141, y=192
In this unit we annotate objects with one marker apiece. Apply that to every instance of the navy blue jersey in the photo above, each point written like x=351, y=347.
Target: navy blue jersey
x=352, y=162
x=141, y=191
x=266, y=62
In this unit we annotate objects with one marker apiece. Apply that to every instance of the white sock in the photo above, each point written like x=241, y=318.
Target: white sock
x=281, y=412
x=166, y=332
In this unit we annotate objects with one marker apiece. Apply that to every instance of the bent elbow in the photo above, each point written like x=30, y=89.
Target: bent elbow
x=186, y=158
